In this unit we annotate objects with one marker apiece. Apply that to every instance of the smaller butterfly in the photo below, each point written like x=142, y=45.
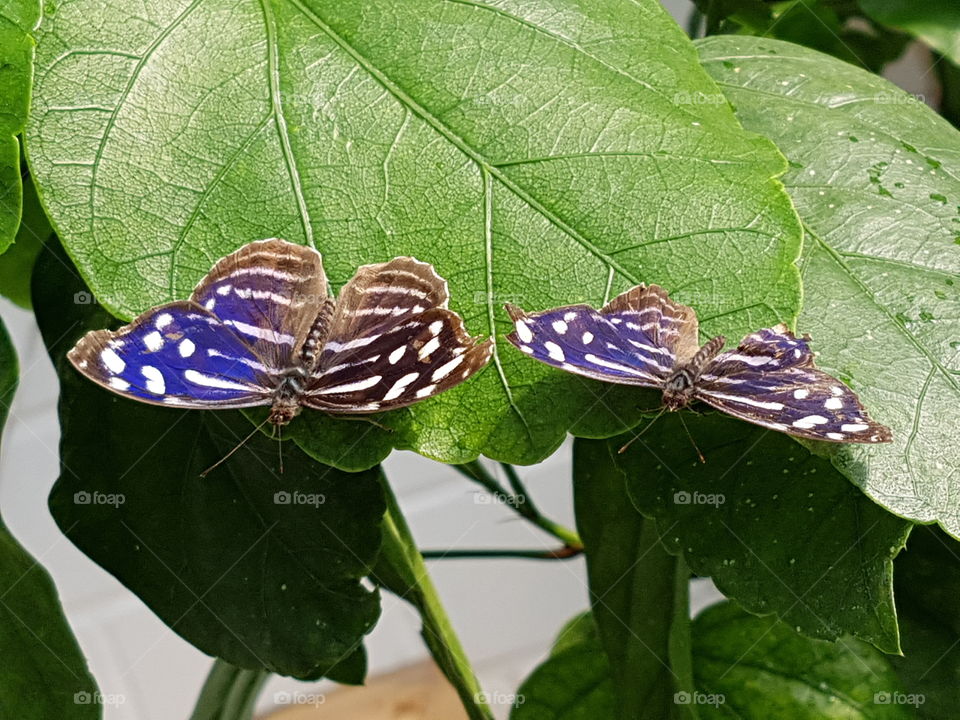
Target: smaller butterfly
x=643, y=338
x=262, y=329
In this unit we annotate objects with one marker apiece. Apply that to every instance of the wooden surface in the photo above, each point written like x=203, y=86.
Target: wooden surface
x=419, y=692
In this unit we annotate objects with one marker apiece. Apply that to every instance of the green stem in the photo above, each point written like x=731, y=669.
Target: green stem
x=402, y=569
x=563, y=553
x=229, y=693
x=519, y=501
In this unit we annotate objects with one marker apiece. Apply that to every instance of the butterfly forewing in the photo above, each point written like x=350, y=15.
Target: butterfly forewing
x=177, y=354
x=770, y=380
x=271, y=292
x=634, y=339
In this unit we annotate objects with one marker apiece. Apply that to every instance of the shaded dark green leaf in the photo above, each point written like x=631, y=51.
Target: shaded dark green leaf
x=927, y=584
x=776, y=527
x=754, y=668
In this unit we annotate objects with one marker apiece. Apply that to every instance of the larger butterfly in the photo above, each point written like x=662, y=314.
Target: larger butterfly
x=643, y=338
x=262, y=329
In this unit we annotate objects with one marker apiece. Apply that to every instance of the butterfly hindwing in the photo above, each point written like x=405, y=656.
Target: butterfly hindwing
x=271, y=292
x=770, y=380
x=177, y=354
x=392, y=342
x=647, y=312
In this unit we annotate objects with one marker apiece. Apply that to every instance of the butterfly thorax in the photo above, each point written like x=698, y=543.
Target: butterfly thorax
x=678, y=390
x=287, y=398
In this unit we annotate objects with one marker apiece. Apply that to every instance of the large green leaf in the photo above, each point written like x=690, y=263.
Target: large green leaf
x=259, y=568
x=543, y=153
x=928, y=605
x=638, y=591
x=874, y=175
x=776, y=527
x=44, y=673
x=745, y=667
x=754, y=668
x=18, y=20
x=937, y=23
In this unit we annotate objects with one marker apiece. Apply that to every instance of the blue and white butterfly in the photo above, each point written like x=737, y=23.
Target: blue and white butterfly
x=644, y=338
x=262, y=329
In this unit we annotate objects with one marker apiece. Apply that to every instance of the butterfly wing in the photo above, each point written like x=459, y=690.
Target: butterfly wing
x=271, y=292
x=771, y=380
x=392, y=342
x=635, y=339
x=179, y=355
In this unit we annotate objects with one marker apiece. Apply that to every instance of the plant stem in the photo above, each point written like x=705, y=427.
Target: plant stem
x=563, y=553
x=402, y=569
x=519, y=501
x=229, y=693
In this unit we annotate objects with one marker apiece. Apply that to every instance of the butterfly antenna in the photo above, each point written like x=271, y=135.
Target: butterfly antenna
x=692, y=441
x=237, y=447
x=637, y=436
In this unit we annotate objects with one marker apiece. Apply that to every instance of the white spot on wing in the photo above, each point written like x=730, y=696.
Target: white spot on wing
x=587, y=338
x=837, y=390
x=554, y=351
x=806, y=423
x=163, y=319
x=154, y=378
x=424, y=391
x=114, y=362
x=395, y=356
x=560, y=327
x=198, y=378
x=801, y=394
x=833, y=403
x=429, y=348
x=523, y=331
x=400, y=385
x=854, y=427
x=435, y=327
x=352, y=387
x=186, y=347
x=441, y=372
x=153, y=341
x=118, y=383
x=835, y=436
